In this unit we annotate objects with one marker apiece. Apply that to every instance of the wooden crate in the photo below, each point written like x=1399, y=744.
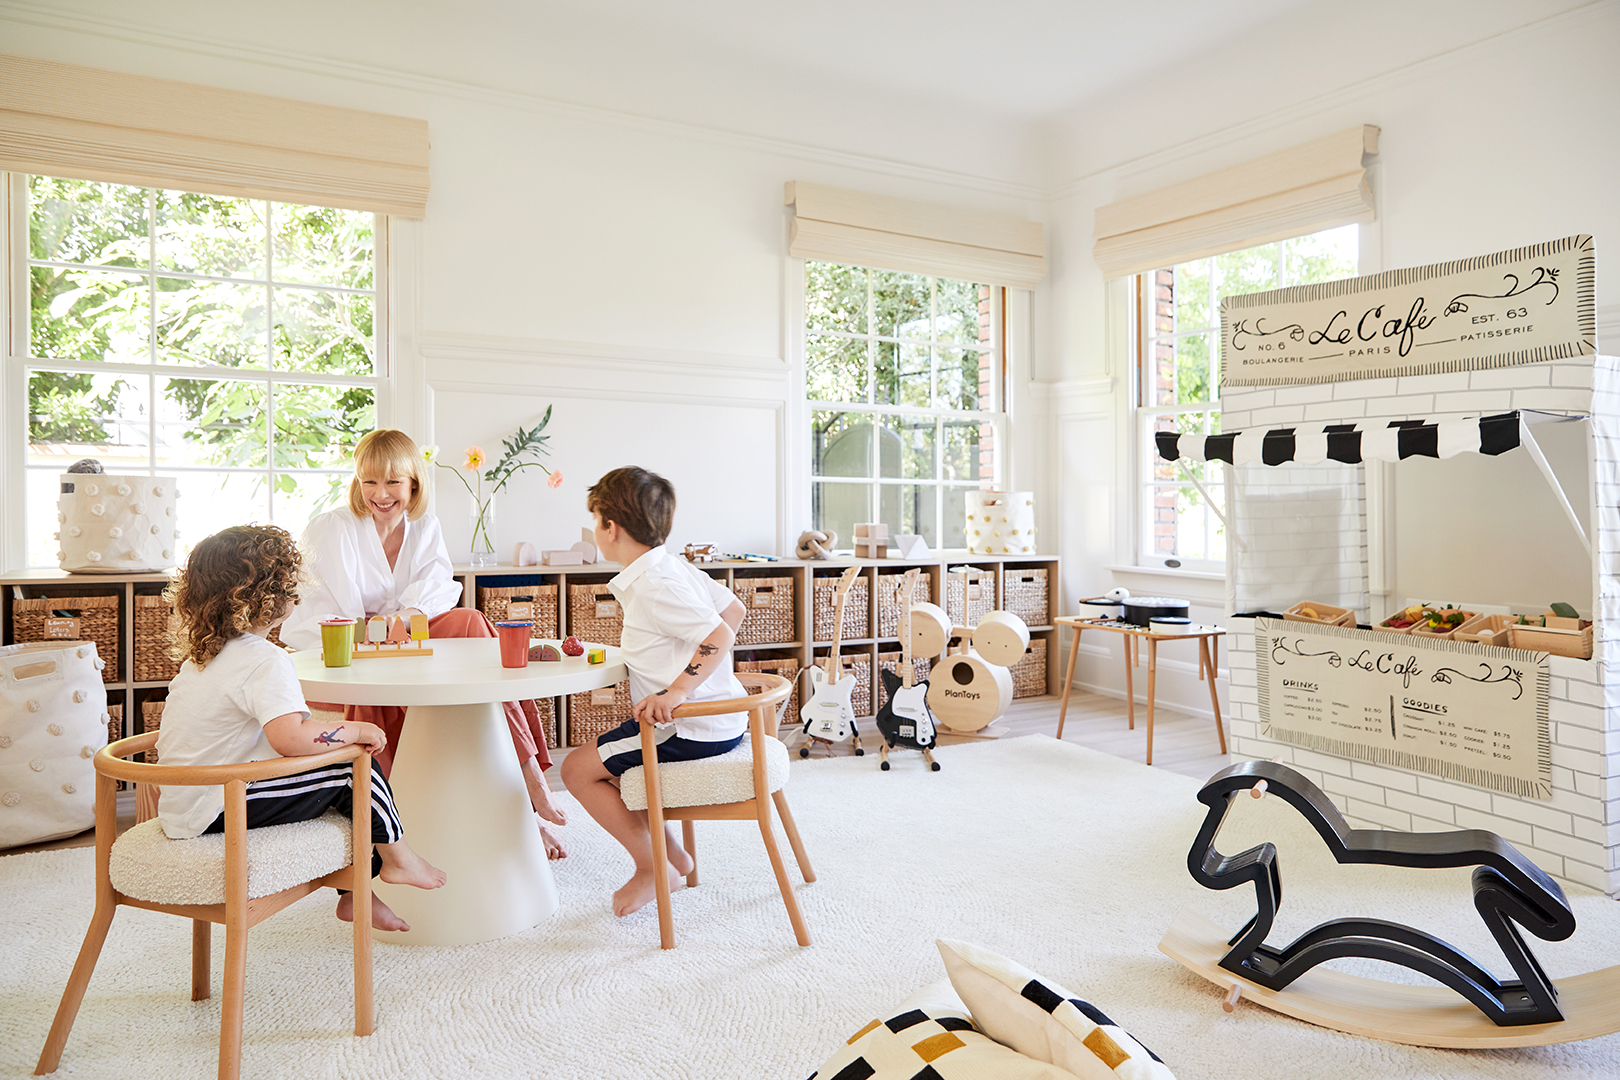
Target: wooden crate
x=970, y=594
x=154, y=640
x=1325, y=613
x=889, y=660
x=594, y=614
x=495, y=601
x=1029, y=674
x=587, y=719
x=1422, y=631
x=788, y=668
x=857, y=608
x=1555, y=640
x=890, y=590
x=767, y=610
x=1485, y=629
x=96, y=620
x=1024, y=593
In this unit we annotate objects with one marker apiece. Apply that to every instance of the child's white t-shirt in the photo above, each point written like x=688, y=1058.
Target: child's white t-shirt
x=215, y=715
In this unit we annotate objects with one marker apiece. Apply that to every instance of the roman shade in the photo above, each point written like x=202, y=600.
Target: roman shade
x=1307, y=188
x=837, y=225
x=64, y=120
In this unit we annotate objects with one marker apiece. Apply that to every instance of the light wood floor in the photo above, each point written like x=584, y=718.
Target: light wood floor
x=1182, y=743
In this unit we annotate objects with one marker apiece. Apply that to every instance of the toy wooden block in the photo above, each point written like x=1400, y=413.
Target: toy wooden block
x=394, y=637
x=565, y=557
x=596, y=656
x=871, y=540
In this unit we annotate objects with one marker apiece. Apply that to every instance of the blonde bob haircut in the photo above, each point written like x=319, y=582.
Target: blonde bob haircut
x=383, y=455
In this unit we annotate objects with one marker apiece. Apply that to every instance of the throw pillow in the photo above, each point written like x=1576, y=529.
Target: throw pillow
x=929, y=1037
x=1041, y=1019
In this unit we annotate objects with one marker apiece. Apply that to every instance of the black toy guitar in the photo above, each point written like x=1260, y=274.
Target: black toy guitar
x=905, y=719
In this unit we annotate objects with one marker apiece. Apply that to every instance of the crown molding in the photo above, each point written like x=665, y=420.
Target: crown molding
x=42, y=15
x=631, y=360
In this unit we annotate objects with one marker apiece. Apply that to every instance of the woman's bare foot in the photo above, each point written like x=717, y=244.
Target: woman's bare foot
x=640, y=891
x=382, y=916
x=534, y=778
x=401, y=865
x=554, y=844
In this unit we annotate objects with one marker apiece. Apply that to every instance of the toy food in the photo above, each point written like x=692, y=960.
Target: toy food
x=572, y=647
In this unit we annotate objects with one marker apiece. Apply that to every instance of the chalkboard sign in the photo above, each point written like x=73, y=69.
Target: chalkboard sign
x=1474, y=713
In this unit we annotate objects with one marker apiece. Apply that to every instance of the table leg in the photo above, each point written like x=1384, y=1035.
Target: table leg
x=1068, y=680
x=1205, y=648
x=461, y=798
x=1153, y=667
x=1130, y=691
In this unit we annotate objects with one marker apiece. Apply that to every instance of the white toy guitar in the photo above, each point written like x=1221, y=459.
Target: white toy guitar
x=829, y=717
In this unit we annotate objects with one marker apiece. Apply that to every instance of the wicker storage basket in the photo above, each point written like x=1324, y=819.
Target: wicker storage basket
x=889, y=590
x=154, y=640
x=768, y=610
x=496, y=603
x=1029, y=674
x=587, y=720
x=98, y=622
x=857, y=608
x=970, y=594
x=547, y=708
x=594, y=615
x=1023, y=593
x=889, y=660
x=151, y=720
x=115, y=731
x=860, y=666
x=788, y=668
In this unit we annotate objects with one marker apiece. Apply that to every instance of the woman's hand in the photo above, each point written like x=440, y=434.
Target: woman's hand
x=659, y=709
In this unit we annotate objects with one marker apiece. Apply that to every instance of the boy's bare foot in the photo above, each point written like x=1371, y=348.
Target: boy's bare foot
x=534, y=778
x=403, y=866
x=554, y=844
x=382, y=916
x=640, y=891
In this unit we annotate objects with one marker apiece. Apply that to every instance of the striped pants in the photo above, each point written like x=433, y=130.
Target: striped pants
x=307, y=795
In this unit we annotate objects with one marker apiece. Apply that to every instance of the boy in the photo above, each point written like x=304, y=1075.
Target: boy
x=679, y=625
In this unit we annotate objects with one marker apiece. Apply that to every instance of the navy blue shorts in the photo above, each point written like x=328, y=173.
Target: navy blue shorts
x=621, y=747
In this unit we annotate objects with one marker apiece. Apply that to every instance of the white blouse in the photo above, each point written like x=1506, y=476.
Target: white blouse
x=350, y=575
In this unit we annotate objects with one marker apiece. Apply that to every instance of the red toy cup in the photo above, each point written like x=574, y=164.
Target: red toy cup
x=514, y=643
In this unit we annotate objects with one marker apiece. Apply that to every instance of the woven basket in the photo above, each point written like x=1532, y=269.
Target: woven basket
x=151, y=720
x=860, y=666
x=857, y=608
x=586, y=721
x=1023, y=593
x=889, y=660
x=496, y=604
x=970, y=594
x=768, y=610
x=1029, y=674
x=98, y=622
x=154, y=640
x=594, y=615
x=788, y=668
x=115, y=731
x=890, y=588
x=547, y=708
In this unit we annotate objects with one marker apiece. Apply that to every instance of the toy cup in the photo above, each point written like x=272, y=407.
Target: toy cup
x=337, y=642
x=514, y=643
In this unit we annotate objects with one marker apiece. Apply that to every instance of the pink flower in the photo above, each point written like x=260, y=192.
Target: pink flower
x=554, y=480
x=475, y=457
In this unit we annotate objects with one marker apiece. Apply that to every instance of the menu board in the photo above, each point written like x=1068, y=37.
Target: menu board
x=1468, y=712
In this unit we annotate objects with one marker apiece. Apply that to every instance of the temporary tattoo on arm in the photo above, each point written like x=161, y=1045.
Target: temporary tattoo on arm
x=330, y=738
x=691, y=669
x=661, y=693
x=707, y=650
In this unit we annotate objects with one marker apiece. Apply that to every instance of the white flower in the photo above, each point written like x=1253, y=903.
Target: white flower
x=429, y=452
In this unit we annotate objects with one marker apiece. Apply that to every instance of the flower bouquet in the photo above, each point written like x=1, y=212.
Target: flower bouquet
x=522, y=451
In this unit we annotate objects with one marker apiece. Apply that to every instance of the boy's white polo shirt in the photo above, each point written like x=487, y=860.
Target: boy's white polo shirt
x=669, y=607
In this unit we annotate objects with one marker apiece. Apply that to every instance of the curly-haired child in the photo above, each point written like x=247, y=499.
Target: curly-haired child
x=236, y=698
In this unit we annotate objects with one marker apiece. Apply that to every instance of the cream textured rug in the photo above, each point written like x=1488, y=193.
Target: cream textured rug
x=1066, y=860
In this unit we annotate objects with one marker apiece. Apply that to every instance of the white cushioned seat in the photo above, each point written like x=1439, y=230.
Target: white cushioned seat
x=147, y=865
x=724, y=778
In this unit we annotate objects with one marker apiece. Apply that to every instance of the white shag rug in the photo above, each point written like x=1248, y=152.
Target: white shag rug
x=1064, y=859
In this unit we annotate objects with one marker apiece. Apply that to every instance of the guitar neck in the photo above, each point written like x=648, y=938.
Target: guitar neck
x=844, y=584
x=906, y=588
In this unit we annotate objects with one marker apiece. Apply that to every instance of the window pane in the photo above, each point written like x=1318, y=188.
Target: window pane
x=317, y=426
x=960, y=312
x=210, y=234
x=834, y=297
x=916, y=509
x=322, y=331
x=211, y=322
x=80, y=221
x=917, y=446
x=841, y=444
x=72, y=416
x=300, y=496
x=835, y=369
x=1192, y=310
x=911, y=382
x=893, y=442
x=959, y=371
x=89, y=315
x=212, y=422
x=323, y=246
x=837, y=507
x=1190, y=423
x=954, y=523
x=1327, y=256
x=900, y=305
x=961, y=457
x=1193, y=372
x=1183, y=526
x=1254, y=270
x=210, y=501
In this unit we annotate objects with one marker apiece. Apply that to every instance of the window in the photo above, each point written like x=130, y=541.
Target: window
x=1179, y=382
x=903, y=377
x=230, y=342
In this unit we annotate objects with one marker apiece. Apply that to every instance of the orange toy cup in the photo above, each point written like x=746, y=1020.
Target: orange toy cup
x=514, y=643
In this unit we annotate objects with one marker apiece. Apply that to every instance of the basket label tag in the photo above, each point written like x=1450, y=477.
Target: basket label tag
x=607, y=609
x=57, y=626
x=764, y=596
x=602, y=695
x=520, y=609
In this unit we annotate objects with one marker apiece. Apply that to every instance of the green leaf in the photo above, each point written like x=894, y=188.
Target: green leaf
x=1564, y=611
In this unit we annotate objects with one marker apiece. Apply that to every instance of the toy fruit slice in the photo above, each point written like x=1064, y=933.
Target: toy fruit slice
x=572, y=647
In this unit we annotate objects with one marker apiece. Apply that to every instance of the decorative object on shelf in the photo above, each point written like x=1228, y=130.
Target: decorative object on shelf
x=912, y=547
x=815, y=544
x=829, y=715
x=905, y=720
x=749, y=556
x=971, y=689
x=564, y=557
x=871, y=540
x=587, y=547
x=701, y=553
x=1000, y=522
x=524, y=554
x=53, y=719
x=1509, y=892
x=524, y=443
x=86, y=465
x=115, y=524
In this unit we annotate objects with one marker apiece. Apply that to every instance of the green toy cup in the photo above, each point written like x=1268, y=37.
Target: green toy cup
x=337, y=642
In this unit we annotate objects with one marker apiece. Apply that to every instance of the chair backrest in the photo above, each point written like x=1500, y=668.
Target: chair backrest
x=766, y=691
x=110, y=762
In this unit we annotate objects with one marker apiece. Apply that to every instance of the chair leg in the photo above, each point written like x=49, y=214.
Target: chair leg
x=232, y=998
x=201, y=930
x=779, y=797
x=83, y=967
x=689, y=838
x=801, y=934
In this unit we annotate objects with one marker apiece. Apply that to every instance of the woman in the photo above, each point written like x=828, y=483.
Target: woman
x=384, y=554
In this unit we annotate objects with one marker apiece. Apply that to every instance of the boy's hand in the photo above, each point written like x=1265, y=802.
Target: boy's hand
x=372, y=737
x=659, y=708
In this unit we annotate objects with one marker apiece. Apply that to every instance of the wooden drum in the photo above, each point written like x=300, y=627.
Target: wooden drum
x=1001, y=638
x=965, y=693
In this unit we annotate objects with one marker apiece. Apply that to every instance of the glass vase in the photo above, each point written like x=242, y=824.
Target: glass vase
x=483, y=532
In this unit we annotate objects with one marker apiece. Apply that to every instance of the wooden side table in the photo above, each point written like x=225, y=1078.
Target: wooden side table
x=1208, y=638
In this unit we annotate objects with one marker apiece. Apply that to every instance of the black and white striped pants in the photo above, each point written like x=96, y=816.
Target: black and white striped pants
x=307, y=795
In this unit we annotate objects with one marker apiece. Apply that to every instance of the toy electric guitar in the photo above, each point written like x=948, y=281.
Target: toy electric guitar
x=829, y=717
x=905, y=719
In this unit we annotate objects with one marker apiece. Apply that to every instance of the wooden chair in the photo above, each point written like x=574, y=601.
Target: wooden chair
x=263, y=871
x=741, y=784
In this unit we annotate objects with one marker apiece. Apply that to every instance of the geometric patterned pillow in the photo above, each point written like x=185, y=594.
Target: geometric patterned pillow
x=929, y=1037
x=1041, y=1019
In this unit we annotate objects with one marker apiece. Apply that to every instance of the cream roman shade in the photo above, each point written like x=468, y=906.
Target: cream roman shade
x=836, y=225
x=1317, y=185
x=63, y=120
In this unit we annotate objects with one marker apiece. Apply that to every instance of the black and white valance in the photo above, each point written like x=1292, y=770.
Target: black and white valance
x=1349, y=443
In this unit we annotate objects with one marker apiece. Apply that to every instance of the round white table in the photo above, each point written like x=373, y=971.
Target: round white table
x=457, y=784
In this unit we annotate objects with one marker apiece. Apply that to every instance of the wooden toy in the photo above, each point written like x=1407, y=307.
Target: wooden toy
x=394, y=637
x=829, y=717
x=699, y=553
x=546, y=652
x=397, y=633
x=419, y=627
x=904, y=719
x=596, y=656
x=568, y=557
x=814, y=544
x=971, y=689
x=587, y=546
x=871, y=540
x=524, y=555
x=911, y=546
